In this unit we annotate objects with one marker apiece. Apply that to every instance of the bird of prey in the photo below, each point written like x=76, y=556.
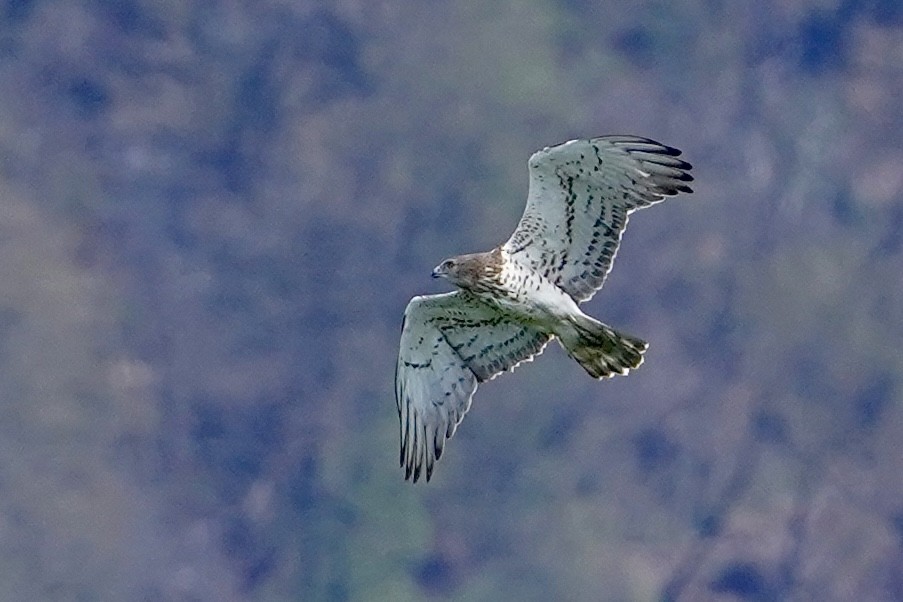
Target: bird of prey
x=511, y=301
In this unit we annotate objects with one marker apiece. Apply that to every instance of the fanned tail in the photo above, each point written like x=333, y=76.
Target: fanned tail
x=601, y=350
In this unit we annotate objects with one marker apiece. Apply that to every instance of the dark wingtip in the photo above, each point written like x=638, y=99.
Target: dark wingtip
x=413, y=470
x=662, y=149
x=683, y=188
x=684, y=177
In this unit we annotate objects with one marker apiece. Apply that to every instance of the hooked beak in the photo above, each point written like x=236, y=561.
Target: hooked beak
x=437, y=273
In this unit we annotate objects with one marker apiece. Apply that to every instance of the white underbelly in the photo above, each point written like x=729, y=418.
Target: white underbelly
x=537, y=299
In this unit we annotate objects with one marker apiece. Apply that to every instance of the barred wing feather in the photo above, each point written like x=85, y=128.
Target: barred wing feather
x=449, y=344
x=580, y=195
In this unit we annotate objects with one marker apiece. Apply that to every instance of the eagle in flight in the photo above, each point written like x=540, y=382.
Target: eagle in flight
x=511, y=301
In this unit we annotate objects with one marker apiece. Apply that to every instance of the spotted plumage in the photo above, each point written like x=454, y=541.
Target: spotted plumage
x=511, y=301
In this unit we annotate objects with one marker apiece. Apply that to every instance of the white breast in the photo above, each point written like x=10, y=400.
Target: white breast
x=531, y=294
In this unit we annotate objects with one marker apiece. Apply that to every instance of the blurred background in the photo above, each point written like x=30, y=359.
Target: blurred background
x=212, y=216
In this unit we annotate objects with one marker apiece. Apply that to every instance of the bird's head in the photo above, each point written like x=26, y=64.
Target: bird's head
x=450, y=269
x=466, y=271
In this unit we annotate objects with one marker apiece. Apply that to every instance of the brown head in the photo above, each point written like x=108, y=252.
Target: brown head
x=470, y=271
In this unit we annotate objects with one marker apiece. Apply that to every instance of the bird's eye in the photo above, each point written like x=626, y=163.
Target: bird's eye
x=449, y=264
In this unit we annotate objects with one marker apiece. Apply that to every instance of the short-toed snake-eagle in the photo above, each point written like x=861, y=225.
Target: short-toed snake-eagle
x=515, y=298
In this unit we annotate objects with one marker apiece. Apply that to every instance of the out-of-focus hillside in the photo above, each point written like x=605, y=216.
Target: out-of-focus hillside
x=214, y=213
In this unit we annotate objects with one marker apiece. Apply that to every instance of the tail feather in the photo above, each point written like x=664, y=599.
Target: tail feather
x=601, y=350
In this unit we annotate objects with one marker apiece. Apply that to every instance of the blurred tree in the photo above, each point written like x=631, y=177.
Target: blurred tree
x=214, y=215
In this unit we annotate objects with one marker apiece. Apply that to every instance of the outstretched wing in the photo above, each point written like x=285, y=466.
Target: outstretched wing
x=580, y=195
x=449, y=344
